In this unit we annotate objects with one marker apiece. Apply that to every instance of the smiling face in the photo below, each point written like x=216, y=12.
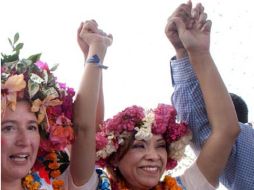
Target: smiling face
x=144, y=163
x=20, y=141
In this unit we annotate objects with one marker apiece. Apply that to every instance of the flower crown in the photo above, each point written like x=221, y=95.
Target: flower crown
x=51, y=101
x=134, y=119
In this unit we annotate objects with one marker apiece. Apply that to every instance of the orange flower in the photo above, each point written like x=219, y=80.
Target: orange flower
x=53, y=165
x=61, y=136
x=28, y=179
x=30, y=184
x=171, y=182
x=55, y=173
x=58, y=184
x=51, y=156
x=13, y=85
x=36, y=185
x=41, y=106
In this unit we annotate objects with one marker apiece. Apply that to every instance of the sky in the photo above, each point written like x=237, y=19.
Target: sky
x=139, y=57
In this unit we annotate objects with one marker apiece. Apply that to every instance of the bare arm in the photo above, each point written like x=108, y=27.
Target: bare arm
x=221, y=114
x=83, y=150
x=100, y=106
x=85, y=48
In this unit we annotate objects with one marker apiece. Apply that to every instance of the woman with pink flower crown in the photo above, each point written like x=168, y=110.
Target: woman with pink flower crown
x=136, y=146
x=37, y=122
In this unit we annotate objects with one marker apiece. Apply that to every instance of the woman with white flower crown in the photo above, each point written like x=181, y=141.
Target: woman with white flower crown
x=37, y=121
x=137, y=146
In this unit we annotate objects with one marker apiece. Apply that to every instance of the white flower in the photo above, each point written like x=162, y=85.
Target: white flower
x=105, y=152
x=177, y=148
x=145, y=131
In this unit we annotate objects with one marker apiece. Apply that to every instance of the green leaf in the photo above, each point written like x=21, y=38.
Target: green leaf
x=22, y=65
x=26, y=62
x=10, y=58
x=16, y=37
x=46, y=77
x=10, y=42
x=19, y=47
x=54, y=67
x=51, y=92
x=4, y=76
x=36, y=78
x=33, y=88
x=51, y=80
x=35, y=57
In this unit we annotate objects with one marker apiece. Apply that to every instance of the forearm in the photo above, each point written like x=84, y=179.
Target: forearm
x=219, y=106
x=100, y=107
x=83, y=149
x=221, y=115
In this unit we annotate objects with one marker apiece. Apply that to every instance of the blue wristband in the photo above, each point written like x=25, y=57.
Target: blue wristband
x=96, y=60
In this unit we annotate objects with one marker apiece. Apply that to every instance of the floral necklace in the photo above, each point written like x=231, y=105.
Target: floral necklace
x=169, y=183
x=33, y=182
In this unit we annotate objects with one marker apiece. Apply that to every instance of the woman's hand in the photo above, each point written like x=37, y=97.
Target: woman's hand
x=90, y=34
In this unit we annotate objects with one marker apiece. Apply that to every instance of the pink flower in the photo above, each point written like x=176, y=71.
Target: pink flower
x=171, y=164
x=41, y=65
x=71, y=92
x=175, y=131
x=101, y=163
x=125, y=120
x=60, y=134
x=46, y=145
x=101, y=140
x=4, y=68
x=164, y=114
x=61, y=137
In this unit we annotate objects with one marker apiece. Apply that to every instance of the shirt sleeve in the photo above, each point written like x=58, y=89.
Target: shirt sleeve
x=188, y=101
x=193, y=179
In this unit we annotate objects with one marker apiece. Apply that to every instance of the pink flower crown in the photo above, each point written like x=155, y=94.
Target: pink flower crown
x=51, y=101
x=134, y=119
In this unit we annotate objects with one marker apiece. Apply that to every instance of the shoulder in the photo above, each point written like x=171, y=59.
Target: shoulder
x=194, y=179
x=91, y=184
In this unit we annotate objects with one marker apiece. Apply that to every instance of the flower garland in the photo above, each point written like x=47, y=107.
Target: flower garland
x=169, y=183
x=106, y=183
x=52, y=102
x=134, y=119
x=33, y=182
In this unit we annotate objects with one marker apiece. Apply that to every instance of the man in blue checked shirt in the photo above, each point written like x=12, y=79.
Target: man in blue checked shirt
x=188, y=100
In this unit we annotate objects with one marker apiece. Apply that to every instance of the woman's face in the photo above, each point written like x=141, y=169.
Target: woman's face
x=144, y=163
x=20, y=141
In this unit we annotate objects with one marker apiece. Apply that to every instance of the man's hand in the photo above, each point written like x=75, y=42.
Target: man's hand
x=197, y=38
x=184, y=12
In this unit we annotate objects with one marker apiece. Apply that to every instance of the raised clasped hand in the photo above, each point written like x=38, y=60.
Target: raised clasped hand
x=188, y=29
x=89, y=34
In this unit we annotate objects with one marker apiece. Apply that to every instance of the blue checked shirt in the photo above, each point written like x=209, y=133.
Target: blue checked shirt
x=188, y=101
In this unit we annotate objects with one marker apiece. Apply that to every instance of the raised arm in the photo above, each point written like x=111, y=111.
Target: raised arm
x=220, y=109
x=82, y=162
x=100, y=105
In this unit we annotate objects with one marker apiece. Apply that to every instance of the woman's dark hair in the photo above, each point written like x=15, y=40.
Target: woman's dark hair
x=113, y=159
x=241, y=108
